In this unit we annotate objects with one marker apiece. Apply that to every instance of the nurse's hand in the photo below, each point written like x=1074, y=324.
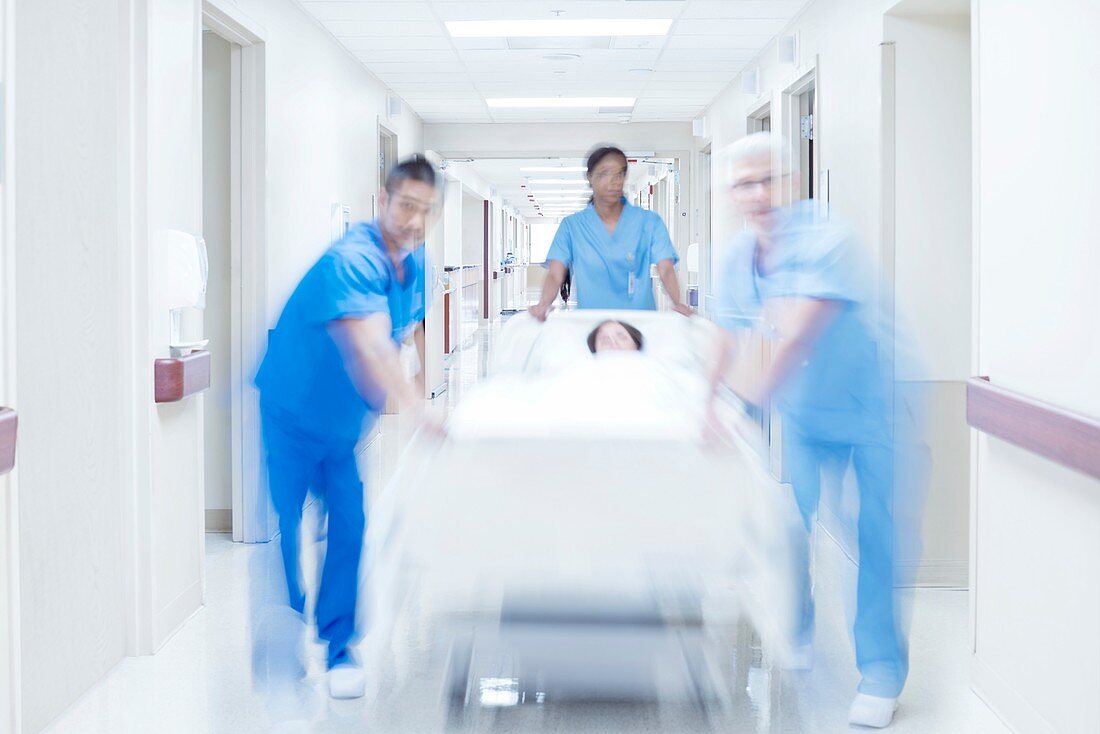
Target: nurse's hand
x=683, y=309
x=540, y=311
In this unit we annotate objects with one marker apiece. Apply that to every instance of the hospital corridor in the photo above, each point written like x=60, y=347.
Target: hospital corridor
x=579, y=366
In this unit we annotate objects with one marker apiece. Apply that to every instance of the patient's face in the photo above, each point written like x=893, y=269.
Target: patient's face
x=613, y=337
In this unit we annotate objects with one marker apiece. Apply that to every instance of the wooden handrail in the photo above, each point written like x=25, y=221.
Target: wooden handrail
x=9, y=427
x=1068, y=438
x=180, y=377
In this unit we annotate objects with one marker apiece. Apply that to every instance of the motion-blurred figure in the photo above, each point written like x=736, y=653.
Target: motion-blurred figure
x=331, y=361
x=801, y=281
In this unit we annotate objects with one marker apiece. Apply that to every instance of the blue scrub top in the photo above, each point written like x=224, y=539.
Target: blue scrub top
x=602, y=264
x=837, y=393
x=303, y=374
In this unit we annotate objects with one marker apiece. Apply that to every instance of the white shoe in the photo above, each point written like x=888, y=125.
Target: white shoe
x=347, y=681
x=872, y=711
x=800, y=657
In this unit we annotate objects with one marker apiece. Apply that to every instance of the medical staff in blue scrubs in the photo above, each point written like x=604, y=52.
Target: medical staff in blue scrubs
x=332, y=359
x=802, y=281
x=608, y=247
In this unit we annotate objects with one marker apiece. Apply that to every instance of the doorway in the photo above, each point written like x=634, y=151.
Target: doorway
x=234, y=196
x=217, y=86
x=387, y=155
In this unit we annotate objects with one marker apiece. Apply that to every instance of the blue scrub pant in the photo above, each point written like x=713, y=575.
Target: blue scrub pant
x=882, y=654
x=298, y=461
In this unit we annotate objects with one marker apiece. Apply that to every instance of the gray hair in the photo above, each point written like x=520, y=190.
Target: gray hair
x=760, y=145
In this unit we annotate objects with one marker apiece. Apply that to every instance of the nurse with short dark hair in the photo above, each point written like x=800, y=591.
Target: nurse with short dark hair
x=608, y=247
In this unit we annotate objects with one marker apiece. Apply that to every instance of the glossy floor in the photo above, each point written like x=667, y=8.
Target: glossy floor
x=200, y=681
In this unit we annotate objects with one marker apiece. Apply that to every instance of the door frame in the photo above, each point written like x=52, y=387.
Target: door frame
x=253, y=519
x=11, y=703
x=805, y=79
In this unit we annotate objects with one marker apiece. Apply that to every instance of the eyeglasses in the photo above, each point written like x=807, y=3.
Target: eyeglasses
x=411, y=207
x=617, y=176
x=745, y=185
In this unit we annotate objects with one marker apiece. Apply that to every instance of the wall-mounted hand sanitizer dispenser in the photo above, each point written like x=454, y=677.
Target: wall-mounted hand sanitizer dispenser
x=180, y=269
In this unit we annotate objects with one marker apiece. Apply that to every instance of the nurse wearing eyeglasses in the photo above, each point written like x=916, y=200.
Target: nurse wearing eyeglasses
x=609, y=246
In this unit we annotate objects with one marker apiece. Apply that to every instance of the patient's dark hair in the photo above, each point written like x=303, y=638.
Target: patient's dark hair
x=635, y=335
x=414, y=168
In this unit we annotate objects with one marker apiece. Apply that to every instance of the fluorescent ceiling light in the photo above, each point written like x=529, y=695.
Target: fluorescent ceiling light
x=560, y=101
x=559, y=27
x=554, y=169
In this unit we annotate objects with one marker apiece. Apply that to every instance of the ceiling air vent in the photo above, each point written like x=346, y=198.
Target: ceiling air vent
x=615, y=110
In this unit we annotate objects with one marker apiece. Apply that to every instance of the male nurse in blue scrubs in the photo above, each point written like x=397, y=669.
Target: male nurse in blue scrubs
x=608, y=247
x=331, y=362
x=805, y=278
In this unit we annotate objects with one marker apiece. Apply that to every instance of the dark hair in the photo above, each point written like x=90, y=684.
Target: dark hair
x=635, y=335
x=414, y=168
x=566, y=286
x=602, y=152
x=598, y=155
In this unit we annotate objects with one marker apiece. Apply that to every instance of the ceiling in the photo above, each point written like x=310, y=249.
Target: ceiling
x=406, y=44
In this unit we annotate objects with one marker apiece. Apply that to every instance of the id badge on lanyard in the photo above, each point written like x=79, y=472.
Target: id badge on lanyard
x=630, y=276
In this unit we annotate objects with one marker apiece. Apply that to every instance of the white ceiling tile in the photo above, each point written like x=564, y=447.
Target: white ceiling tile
x=406, y=45
x=718, y=40
x=730, y=27
x=474, y=44
x=402, y=56
x=643, y=42
x=402, y=43
x=347, y=10
x=708, y=54
x=384, y=28
x=742, y=8
x=535, y=9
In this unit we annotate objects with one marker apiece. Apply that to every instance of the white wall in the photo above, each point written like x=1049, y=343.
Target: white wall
x=108, y=154
x=929, y=257
x=452, y=222
x=932, y=159
x=565, y=139
x=1036, y=599
x=842, y=38
x=846, y=35
x=322, y=138
x=473, y=229
x=216, y=318
x=9, y=512
x=70, y=334
x=542, y=234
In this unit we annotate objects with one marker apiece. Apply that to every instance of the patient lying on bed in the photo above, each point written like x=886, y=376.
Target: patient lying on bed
x=614, y=335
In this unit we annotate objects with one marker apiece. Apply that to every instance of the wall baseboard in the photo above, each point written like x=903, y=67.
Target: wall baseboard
x=1008, y=705
x=930, y=573
x=940, y=573
x=219, y=521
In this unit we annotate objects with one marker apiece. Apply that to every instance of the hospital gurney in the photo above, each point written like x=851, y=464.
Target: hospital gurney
x=573, y=538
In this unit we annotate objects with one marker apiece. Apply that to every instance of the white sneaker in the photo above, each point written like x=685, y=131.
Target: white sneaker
x=872, y=711
x=347, y=681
